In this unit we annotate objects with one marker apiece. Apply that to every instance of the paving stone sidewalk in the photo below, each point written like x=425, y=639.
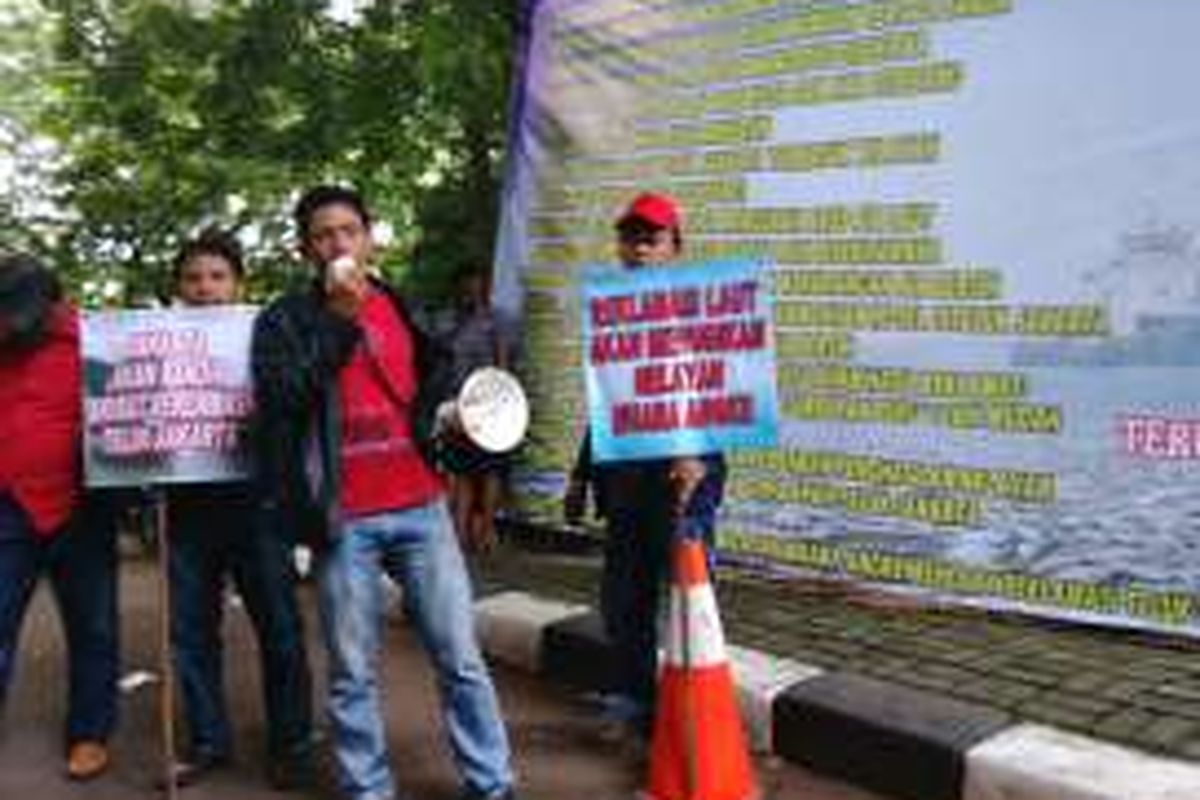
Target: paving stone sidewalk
x=1138, y=690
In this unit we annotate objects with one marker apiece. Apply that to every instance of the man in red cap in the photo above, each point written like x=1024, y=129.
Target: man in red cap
x=644, y=503
x=654, y=211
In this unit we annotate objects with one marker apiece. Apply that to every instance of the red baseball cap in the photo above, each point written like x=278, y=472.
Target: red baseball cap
x=654, y=208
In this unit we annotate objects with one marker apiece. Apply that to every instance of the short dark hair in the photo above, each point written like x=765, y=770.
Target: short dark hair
x=318, y=197
x=210, y=242
x=28, y=292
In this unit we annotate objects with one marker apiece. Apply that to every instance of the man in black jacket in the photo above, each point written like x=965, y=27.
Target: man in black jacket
x=346, y=388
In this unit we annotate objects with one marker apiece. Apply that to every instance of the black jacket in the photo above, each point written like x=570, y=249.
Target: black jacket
x=298, y=349
x=637, y=483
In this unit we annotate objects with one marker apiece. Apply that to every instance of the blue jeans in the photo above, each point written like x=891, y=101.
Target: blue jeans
x=81, y=563
x=418, y=549
x=217, y=532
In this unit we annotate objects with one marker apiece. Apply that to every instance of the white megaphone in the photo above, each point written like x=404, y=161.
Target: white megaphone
x=491, y=410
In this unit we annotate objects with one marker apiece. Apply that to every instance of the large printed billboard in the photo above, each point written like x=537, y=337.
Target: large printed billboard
x=981, y=216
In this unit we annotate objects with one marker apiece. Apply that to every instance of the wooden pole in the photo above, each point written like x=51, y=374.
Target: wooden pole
x=166, y=663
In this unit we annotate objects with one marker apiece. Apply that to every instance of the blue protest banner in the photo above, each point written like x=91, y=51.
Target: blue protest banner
x=679, y=360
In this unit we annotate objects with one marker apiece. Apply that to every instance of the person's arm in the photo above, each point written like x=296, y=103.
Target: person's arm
x=575, y=497
x=500, y=355
x=291, y=366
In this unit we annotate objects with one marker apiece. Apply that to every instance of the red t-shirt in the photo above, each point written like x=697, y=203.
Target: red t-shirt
x=382, y=470
x=40, y=412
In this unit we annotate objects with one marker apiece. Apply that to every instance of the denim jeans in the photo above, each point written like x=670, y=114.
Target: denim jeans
x=81, y=563
x=418, y=549
x=217, y=532
x=640, y=528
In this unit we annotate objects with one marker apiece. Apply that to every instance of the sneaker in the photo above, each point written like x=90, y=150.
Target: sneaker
x=86, y=760
x=611, y=731
x=194, y=769
x=291, y=773
x=617, y=707
x=622, y=719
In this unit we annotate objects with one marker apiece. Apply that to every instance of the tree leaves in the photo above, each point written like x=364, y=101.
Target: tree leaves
x=170, y=116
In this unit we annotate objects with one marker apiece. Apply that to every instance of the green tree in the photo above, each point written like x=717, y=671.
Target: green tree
x=29, y=212
x=168, y=116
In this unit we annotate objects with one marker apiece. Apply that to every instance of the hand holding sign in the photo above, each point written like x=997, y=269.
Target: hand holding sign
x=685, y=476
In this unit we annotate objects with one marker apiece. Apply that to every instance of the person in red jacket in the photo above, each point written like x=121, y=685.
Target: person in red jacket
x=47, y=527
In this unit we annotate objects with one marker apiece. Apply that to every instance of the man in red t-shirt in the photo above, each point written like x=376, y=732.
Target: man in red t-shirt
x=45, y=525
x=346, y=386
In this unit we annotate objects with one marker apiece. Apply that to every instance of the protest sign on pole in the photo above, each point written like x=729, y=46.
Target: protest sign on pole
x=167, y=398
x=167, y=395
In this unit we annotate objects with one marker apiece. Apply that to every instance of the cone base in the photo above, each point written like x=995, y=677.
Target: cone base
x=699, y=751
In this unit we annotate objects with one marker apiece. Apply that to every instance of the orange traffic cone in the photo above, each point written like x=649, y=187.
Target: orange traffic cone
x=698, y=751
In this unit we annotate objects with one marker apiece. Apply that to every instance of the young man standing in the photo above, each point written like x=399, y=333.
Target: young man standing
x=347, y=387
x=216, y=531
x=644, y=503
x=46, y=524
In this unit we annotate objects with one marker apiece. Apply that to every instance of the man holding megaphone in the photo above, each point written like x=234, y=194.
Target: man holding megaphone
x=347, y=390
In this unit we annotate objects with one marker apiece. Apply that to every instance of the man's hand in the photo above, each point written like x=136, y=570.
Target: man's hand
x=685, y=476
x=574, y=500
x=446, y=421
x=346, y=287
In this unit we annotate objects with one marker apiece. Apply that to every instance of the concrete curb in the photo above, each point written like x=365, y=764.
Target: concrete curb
x=1032, y=762
x=893, y=740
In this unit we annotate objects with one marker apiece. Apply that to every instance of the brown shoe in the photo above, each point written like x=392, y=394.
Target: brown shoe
x=86, y=760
